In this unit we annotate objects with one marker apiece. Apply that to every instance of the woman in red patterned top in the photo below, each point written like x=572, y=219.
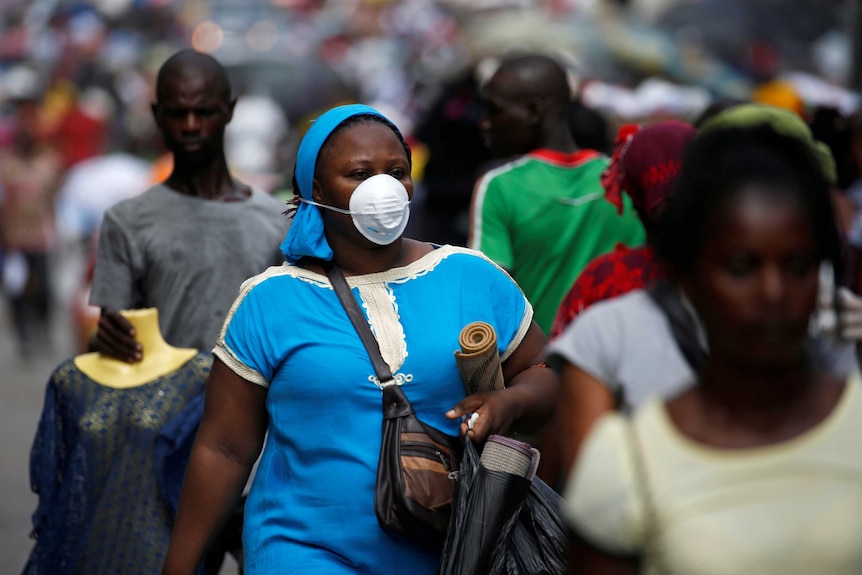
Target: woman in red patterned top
x=645, y=165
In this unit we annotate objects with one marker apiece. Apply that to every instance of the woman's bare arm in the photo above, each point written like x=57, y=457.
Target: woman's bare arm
x=226, y=446
x=583, y=399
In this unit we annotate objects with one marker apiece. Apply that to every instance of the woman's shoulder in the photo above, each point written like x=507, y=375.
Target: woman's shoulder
x=285, y=280
x=633, y=306
x=468, y=257
x=626, y=317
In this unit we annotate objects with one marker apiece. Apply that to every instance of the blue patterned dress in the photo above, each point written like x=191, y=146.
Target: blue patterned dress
x=94, y=467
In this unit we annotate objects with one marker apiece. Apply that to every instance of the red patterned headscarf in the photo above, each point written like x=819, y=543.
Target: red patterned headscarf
x=645, y=163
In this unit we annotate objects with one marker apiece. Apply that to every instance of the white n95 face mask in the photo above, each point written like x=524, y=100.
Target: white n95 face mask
x=379, y=208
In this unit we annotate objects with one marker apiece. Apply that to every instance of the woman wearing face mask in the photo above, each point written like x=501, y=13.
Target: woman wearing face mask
x=757, y=469
x=289, y=362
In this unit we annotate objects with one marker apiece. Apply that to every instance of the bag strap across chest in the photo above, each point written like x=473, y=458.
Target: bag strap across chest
x=357, y=318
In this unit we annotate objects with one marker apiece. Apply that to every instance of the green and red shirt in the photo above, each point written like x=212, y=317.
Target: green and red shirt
x=543, y=217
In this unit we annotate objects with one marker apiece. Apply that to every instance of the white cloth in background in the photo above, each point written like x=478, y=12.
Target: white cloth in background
x=93, y=186
x=253, y=135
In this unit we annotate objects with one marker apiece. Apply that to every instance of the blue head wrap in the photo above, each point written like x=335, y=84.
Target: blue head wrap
x=306, y=236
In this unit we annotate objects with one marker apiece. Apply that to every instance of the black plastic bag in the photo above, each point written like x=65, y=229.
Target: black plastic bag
x=535, y=543
x=502, y=524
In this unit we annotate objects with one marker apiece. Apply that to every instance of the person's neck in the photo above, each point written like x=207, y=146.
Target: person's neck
x=210, y=181
x=357, y=260
x=559, y=141
x=759, y=396
x=147, y=331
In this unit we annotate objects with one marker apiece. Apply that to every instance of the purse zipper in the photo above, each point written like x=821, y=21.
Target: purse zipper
x=422, y=450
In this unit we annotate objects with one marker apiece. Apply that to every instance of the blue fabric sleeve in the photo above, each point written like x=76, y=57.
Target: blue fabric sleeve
x=248, y=334
x=512, y=312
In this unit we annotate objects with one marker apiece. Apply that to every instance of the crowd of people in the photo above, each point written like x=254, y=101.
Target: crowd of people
x=675, y=309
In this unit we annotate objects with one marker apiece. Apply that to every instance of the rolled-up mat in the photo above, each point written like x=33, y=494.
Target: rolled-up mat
x=509, y=455
x=478, y=359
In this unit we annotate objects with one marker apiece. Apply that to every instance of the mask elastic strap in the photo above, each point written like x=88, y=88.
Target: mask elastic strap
x=339, y=210
x=333, y=208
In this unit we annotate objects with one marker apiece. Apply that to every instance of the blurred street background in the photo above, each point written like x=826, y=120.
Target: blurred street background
x=76, y=84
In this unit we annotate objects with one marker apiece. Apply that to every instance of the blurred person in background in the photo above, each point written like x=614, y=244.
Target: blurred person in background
x=30, y=172
x=186, y=245
x=456, y=153
x=645, y=165
x=84, y=127
x=830, y=126
x=589, y=127
x=192, y=108
x=585, y=348
x=253, y=138
x=757, y=468
x=619, y=353
x=854, y=194
x=542, y=215
x=715, y=108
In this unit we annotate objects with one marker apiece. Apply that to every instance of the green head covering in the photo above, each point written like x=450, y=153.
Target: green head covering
x=782, y=121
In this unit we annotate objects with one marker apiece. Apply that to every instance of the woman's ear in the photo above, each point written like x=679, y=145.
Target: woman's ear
x=316, y=193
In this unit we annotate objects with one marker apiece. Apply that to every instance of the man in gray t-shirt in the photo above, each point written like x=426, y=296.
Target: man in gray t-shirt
x=185, y=246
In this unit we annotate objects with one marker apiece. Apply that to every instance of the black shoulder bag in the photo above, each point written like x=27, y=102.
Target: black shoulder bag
x=413, y=496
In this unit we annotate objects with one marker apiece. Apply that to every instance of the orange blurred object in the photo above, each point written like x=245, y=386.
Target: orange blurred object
x=780, y=94
x=162, y=168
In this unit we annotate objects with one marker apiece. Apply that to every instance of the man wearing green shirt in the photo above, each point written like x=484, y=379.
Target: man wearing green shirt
x=542, y=215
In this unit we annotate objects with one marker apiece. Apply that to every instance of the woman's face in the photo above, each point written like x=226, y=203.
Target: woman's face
x=351, y=156
x=755, y=281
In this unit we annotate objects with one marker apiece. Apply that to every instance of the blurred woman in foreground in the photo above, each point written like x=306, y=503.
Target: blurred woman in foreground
x=757, y=469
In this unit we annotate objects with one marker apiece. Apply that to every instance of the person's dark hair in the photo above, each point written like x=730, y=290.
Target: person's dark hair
x=719, y=164
x=833, y=128
x=351, y=121
x=533, y=75
x=189, y=61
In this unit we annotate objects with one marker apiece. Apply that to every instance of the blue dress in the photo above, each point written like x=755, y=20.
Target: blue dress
x=311, y=506
x=96, y=469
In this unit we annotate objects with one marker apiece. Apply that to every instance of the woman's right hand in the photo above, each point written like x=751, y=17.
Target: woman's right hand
x=493, y=412
x=115, y=337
